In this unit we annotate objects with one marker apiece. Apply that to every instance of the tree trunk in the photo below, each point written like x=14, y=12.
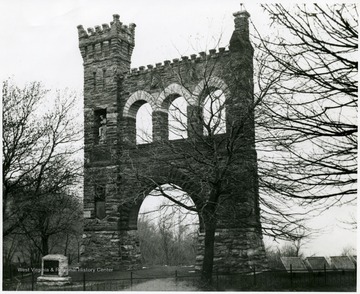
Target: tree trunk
x=208, y=262
x=45, y=245
x=78, y=250
x=66, y=244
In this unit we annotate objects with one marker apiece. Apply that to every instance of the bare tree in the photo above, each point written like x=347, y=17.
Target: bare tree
x=9, y=249
x=348, y=251
x=308, y=123
x=50, y=216
x=350, y=223
x=148, y=246
x=158, y=242
x=292, y=248
x=40, y=142
x=164, y=226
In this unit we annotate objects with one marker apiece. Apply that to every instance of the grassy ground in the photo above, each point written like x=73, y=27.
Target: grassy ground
x=146, y=272
x=163, y=278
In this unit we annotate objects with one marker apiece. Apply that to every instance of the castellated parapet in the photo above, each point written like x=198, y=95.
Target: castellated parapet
x=107, y=41
x=113, y=94
x=193, y=58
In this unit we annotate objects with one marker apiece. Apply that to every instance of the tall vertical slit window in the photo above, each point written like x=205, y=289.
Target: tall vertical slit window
x=94, y=80
x=100, y=211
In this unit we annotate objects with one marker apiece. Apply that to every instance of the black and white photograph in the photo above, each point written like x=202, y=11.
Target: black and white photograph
x=179, y=145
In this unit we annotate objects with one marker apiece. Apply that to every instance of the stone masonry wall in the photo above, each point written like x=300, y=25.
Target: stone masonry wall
x=236, y=251
x=113, y=90
x=121, y=249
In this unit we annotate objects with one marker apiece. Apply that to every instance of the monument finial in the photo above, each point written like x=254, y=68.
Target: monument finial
x=242, y=12
x=241, y=32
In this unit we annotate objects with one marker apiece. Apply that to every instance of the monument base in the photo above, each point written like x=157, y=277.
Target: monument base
x=236, y=250
x=53, y=281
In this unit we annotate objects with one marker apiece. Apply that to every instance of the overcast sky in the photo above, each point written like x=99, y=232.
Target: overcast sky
x=39, y=41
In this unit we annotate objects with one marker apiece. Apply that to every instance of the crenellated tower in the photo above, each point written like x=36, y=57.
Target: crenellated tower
x=106, y=52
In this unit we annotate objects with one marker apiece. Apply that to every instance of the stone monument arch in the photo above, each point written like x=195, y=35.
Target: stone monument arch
x=113, y=93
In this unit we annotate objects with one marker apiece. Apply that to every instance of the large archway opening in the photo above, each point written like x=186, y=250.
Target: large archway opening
x=168, y=233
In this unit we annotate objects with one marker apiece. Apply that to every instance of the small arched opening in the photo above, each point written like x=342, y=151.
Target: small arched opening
x=177, y=119
x=138, y=113
x=143, y=123
x=214, y=112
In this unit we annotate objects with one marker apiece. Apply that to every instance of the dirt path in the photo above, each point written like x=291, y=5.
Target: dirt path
x=162, y=285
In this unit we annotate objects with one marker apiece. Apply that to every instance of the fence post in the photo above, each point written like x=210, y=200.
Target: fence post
x=254, y=274
x=131, y=280
x=325, y=272
x=11, y=272
x=355, y=273
x=291, y=277
x=84, y=282
x=176, y=279
x=32, y=280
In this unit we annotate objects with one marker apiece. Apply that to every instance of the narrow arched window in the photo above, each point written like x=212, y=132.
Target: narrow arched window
x=144, y=124
x=178, y=119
